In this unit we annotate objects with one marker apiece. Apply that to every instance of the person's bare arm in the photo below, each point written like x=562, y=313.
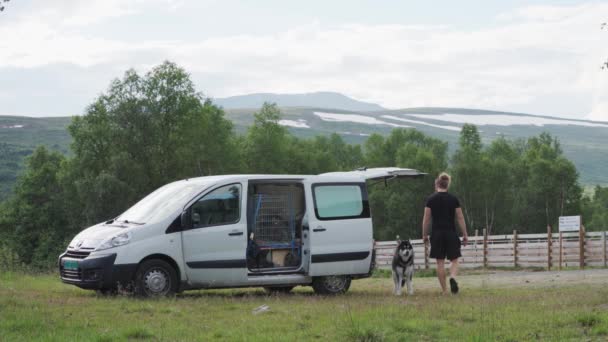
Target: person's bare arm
x=462, y=225
x=426, y=223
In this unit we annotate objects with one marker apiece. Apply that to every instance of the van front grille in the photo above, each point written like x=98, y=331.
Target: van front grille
x=77, y=254
x=71, y=274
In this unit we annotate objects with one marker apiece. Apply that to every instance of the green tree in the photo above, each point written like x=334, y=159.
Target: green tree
x=468, y=175
x=267, y=142
x=206, y=144
x=398, y=207
x=595, y=212
x=552, y=188
x=145, y=132
x=499, y=187
x=470, y=138
x=523, y=185
x=33, y=219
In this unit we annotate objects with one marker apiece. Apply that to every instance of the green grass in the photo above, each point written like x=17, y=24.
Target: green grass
x=41, y=308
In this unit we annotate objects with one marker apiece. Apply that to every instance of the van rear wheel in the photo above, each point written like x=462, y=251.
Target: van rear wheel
x=278, y=289
x=331, y=285
x=155, y=278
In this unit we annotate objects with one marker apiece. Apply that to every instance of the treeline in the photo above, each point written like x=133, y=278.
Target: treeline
x=10, y=164
x=148, y=130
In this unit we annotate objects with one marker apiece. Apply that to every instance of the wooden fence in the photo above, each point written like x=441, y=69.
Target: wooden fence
x=550, y=250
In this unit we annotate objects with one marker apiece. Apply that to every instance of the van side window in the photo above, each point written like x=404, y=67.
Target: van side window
x=220, y=206
x=340, y=201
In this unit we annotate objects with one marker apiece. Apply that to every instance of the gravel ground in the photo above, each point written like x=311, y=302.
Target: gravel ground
x=475, y=279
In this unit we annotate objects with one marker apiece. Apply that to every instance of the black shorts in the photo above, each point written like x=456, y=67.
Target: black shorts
x=445, y=244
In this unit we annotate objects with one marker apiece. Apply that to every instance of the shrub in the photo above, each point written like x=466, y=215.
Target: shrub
x=9, y=260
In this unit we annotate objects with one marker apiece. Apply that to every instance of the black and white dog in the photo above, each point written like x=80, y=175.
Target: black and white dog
x=403, y=267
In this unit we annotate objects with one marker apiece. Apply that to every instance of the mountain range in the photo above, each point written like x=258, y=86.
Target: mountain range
x=323, y=99
x=583, y=142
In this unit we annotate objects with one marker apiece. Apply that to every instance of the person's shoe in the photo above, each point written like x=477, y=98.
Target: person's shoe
x=453, y=286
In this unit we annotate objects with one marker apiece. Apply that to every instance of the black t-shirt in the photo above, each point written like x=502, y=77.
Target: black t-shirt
x=443, y=210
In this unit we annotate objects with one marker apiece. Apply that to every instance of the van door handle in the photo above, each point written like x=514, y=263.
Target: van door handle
x=319, y=229
x=235, y=233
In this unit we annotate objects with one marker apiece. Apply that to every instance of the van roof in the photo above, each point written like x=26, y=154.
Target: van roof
x=358, y=175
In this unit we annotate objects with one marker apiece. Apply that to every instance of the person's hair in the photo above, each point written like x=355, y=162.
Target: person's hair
x=443, y=181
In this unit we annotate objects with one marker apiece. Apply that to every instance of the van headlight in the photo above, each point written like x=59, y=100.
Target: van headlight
x=115, y=241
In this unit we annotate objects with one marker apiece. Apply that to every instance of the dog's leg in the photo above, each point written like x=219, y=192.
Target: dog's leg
x=396, y=281
x=399, y=281
x=410, y=287
x=399, y=286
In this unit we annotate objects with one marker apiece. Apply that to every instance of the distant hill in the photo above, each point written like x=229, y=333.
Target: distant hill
x=317, y=99
x=19, y=136
x=583, y=142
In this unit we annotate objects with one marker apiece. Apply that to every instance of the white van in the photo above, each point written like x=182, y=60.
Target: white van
x=271, y=231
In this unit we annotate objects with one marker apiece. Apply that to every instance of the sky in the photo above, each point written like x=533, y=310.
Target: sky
x=538, y=57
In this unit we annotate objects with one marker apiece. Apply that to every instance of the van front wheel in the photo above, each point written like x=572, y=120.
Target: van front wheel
x=331, y=285
x=155, y=278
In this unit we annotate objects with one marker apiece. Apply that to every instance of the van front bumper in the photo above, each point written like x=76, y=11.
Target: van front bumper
x=95, y=272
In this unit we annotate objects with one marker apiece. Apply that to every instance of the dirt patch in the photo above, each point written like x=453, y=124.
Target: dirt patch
x=526, y=279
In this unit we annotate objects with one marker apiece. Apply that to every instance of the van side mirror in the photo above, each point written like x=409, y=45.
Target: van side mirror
x=186, y=220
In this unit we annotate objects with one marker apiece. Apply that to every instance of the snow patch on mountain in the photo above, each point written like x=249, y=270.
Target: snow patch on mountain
x=504, y=120
x=356, y=118
x=451, y=128
x=293, y=123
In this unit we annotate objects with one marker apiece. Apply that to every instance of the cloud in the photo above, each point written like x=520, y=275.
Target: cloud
x=531, y=59
x=400, y=66
x=599, y=112
x=45, y=35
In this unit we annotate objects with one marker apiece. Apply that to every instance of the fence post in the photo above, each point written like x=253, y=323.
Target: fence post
x=485, y=248
x=604, y=246
x=581, y=246
x=515, y=248
x=549, y=245
x=426, y=255
x=560, y=250
x=475, y=246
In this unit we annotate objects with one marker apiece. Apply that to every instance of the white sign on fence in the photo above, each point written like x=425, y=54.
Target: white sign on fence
x=569, y=223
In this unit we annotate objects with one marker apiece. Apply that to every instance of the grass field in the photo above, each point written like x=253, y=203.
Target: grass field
x=504, y=306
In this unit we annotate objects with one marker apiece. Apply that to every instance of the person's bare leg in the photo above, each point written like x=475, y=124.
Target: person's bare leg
x=453, y=274
x=454, y=268
x=441, y=274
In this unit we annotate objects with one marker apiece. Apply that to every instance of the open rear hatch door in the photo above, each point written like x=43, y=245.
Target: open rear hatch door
x=379, y=173
x=341, y=228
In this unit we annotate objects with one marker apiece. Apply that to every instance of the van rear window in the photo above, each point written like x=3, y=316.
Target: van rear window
x=340, y=201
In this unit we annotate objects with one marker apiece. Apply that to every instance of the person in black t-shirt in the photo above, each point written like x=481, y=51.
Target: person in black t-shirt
x=443, y=212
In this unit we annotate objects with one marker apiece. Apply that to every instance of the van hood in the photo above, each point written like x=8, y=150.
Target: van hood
x=93, y=236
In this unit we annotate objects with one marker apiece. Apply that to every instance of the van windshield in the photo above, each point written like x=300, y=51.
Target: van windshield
x=162, y=202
